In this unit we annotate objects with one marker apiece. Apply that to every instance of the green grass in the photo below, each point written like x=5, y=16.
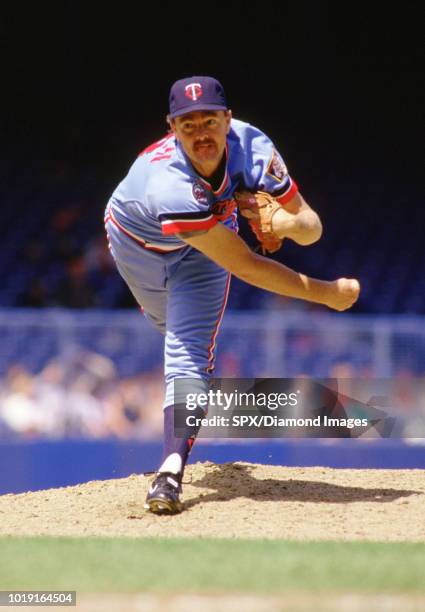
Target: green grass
x=170, y=565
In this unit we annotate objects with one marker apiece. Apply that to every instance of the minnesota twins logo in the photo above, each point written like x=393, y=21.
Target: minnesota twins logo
x=199, y=192
x=193, y=91
x=277, y=168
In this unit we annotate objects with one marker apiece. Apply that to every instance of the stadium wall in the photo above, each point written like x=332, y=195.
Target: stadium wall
x=37, y=465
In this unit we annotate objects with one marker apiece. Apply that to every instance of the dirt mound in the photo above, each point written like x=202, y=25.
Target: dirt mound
x=236, y=500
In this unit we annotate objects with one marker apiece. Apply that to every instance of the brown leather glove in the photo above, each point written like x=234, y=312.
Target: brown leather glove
x=259, y=209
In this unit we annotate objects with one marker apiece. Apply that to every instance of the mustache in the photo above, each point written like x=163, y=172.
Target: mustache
x=204, y=142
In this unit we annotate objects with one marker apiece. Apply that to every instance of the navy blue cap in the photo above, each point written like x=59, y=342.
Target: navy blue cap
x=196, y=93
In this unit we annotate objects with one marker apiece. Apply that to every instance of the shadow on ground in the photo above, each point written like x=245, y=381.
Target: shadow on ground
x=232, y=481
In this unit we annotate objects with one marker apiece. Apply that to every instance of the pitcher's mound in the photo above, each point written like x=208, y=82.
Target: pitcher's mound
x=234, y=500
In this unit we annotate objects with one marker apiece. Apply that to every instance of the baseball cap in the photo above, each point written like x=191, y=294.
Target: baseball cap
x=196, y=93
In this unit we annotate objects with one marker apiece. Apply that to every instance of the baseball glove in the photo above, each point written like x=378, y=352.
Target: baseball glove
x=259, y=209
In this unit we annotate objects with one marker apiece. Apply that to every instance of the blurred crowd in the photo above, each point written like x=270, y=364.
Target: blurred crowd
x=81, y=396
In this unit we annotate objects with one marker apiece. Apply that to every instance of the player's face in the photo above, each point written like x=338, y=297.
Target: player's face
x=202, y=135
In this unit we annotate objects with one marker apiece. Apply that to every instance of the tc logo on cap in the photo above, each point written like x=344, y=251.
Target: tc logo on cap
x=193, y=91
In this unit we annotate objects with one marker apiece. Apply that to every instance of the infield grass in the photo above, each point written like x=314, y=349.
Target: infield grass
x=210, y=565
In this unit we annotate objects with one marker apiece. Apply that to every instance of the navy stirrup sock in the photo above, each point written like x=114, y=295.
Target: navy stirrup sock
x=177, y=450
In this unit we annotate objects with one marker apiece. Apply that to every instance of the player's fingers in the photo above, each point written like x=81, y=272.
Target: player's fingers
x=349, y=286
x=352, y=287
x=348, y=290
x=351, y=291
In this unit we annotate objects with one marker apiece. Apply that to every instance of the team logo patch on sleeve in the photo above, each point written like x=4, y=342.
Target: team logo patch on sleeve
x=199, y=193
x=277, y=168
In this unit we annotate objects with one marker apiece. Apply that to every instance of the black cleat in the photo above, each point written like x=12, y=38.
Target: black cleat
x=163, y=494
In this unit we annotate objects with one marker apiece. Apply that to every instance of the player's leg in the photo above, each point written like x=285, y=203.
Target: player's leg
x=198, y=291
x=184, y=295
x=197, y=297
x=144, y=272
x=146, y=276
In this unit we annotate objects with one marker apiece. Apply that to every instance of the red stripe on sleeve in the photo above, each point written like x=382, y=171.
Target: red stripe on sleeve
x=174, y=227
x=284, y=199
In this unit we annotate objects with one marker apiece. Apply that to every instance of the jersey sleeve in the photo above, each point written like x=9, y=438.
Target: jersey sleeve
x=265, y=168
x=183, y=208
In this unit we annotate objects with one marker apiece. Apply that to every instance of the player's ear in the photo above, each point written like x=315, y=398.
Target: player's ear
x=228, y=115
x=171, y=124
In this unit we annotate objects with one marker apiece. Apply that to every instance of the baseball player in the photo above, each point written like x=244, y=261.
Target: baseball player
x=172, y=229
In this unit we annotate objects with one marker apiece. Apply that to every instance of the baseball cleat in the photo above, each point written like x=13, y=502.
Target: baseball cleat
x=163, y=494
